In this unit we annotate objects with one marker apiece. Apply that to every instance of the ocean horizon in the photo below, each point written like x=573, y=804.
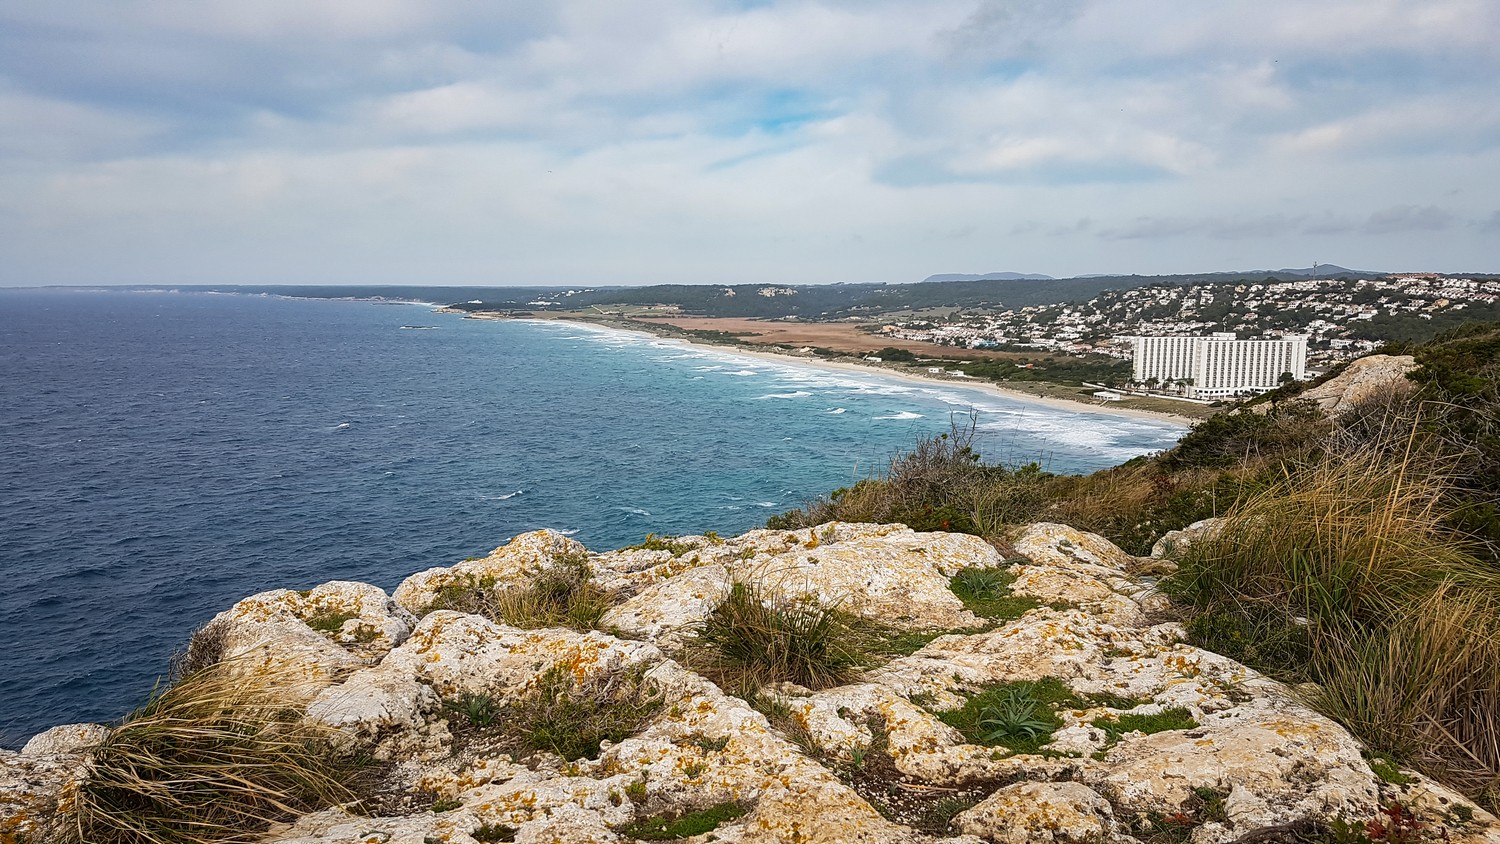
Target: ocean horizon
x=176, y=452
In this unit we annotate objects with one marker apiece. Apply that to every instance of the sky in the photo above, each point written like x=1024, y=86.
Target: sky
x=598, y=142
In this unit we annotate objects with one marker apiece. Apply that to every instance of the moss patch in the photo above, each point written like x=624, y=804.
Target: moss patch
x=986, y=593
x=1175, y=718
x=667, y=827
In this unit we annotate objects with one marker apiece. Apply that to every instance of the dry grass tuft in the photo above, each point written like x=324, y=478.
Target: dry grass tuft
x=216, y=758
x=562, y=595
x=759, y=636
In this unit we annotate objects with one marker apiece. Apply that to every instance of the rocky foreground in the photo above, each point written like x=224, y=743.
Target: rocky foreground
x=872, y=761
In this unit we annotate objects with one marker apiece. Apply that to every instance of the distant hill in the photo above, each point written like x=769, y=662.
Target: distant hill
x=988, y=277
x=1323, y=271
x=992, y=291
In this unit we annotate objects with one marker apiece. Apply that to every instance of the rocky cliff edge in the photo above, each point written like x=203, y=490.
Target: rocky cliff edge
x=1152, y=739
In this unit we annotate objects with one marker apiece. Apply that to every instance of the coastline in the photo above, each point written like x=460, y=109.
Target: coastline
x=849, y=366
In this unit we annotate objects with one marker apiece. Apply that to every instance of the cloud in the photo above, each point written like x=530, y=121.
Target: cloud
x=683, y=137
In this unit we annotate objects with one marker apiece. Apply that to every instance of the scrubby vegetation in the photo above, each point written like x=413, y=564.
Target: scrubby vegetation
x=217, y=757
x=673, y=827
x=1358, y=553
x=758, y=636
x=986, y=593
x=570, y=717
x=559, y=713
x=562, y=595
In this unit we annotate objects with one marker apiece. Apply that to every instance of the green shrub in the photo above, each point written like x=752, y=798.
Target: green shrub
x=328, y=622
x=1346, y=574
x=562, y=595
x=653, y=542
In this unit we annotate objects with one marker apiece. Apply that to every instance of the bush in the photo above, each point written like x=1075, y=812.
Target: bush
x=217, y=757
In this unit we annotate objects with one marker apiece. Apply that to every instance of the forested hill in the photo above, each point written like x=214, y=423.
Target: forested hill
x=820, y=301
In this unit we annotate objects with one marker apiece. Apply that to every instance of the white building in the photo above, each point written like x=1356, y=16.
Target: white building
x=1220, y=365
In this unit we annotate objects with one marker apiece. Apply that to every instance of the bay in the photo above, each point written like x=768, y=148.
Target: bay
x=166, y=454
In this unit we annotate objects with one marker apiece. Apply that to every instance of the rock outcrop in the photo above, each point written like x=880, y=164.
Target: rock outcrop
x=1364, y=377
x=1151, y=738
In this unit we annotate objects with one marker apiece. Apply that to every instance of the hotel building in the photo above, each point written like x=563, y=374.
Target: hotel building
x=1219, y=365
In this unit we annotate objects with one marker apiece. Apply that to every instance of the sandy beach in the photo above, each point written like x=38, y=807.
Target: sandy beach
x=876, y=369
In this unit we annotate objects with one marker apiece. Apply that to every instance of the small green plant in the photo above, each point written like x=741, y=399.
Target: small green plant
x=940, y=813
x=366, y=633
x=478, y=710
x=465, y=594
x=444, y=804
x=564, y=594
x=782, y=719
x=713, y=537
x=1015, y=716
x=636, y=791
x=1212, y=807
x=1386, y=768
x=493, y=833
x=1019, y=717
x=330, y=621
x=667, y=827
x=756, y=637
x=712, y=745
x=986, y=593
x=1175, y=718
x=653, y=542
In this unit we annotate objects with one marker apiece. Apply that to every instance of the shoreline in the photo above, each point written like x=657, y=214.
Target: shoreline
x=849, y=366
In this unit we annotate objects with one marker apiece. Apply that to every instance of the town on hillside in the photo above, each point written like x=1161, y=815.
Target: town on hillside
x=1340, y=318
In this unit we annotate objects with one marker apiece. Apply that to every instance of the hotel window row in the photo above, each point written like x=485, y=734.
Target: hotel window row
x=1220, y=365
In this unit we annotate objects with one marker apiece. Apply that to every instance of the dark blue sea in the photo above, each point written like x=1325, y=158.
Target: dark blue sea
x=166, y=454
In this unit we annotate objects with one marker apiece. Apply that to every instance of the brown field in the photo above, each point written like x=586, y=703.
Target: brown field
x=839, y=336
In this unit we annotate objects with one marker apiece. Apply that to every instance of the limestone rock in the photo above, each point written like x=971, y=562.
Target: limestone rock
x=1363, y=377
x=67, y=738
x=805, y=765
x=324, y=633
x=509, y=564
x=1174, y=541
x=663, y=612
x=1064, y=812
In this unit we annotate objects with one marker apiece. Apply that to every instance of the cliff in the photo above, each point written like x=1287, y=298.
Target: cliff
x=1041, y=694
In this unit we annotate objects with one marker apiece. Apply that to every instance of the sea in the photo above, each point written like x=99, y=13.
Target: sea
x=166, y=454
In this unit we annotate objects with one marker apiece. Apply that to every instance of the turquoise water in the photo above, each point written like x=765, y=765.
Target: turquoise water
x=168, y=454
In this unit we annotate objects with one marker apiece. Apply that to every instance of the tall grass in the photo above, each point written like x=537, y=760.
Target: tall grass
x=1345, y=573
x=215, y=758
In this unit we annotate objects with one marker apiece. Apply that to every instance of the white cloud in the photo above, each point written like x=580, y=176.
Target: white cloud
x=588, y=140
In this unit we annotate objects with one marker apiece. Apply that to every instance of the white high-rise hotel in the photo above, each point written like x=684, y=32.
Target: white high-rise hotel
x=1220, y=365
